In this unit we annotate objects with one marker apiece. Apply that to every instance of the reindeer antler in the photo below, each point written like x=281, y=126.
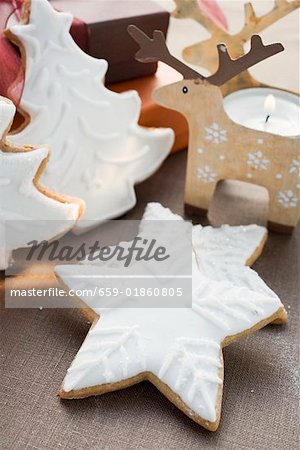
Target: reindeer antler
x=229, y=68
x=156, y=50
x=190, y=9
x=256, y=24
x=152, y=50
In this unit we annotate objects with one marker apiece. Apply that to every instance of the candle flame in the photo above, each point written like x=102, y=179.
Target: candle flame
x=270, y=104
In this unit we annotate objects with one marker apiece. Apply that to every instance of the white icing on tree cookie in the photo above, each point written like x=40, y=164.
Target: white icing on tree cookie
x=26, y=213
x=99, y=151
x=179, y=347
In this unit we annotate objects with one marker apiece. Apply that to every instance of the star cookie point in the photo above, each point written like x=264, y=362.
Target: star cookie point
x=178, y=349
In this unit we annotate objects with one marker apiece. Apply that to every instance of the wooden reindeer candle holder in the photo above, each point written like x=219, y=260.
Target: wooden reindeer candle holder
x=205, y=53
x=219, y=148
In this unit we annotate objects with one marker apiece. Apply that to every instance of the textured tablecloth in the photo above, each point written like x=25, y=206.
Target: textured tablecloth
x=261, y=392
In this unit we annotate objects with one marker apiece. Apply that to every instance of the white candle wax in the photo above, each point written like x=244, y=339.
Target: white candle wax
x=264, y=109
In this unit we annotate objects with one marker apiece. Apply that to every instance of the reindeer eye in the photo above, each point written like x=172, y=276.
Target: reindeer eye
x=185, y=90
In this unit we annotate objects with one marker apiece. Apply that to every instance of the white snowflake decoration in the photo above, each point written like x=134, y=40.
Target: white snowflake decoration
x=108, y=343
x=216, y=134
x=288, y=199
x=295, y=167
x=258, y=161
x=206, y=174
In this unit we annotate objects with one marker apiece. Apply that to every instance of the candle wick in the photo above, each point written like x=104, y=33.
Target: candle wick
x=267, y=118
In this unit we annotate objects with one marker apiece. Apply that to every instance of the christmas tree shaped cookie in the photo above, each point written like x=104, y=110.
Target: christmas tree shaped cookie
x=28, y=211
x=178, y=349
x=99, y=150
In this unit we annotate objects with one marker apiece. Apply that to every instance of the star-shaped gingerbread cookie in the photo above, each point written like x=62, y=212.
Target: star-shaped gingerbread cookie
x=178, y=349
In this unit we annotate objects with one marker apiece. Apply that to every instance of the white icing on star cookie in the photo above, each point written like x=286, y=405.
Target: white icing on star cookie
x=177, y=349
x=222, y=253
x=99, y=151
x=27, y=211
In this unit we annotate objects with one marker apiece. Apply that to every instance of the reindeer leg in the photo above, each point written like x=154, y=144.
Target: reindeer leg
x=191, y=211
x=198, y=197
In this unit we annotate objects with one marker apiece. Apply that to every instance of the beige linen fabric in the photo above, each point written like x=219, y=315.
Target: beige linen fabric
x=261, y=393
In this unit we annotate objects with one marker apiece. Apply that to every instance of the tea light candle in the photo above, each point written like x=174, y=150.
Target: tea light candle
x=265, y=109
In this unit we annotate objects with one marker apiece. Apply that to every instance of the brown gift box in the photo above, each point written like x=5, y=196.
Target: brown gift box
x=152, y=115
x=107, y=22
